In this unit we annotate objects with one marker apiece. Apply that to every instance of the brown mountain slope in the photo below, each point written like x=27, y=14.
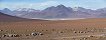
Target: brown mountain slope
x=8, y=18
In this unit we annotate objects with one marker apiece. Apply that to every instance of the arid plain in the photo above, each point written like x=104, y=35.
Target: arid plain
x=84, y=29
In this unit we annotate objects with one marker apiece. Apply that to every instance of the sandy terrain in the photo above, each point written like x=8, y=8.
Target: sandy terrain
x=84, y=29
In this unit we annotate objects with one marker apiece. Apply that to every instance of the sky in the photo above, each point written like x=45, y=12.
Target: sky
x=42, y=4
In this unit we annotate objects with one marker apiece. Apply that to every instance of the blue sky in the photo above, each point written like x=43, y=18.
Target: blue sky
x=42, y=4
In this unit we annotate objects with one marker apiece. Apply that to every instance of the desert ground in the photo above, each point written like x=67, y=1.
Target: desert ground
x=84, y=29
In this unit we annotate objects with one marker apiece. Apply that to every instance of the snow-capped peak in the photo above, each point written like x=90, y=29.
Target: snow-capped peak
x=75, y=8
x=27, y=9
x=78, y=8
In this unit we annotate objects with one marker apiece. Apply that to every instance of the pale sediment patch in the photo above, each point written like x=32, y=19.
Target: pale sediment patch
x=56, y=19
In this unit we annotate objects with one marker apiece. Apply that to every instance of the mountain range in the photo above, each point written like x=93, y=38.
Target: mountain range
x=55, y=12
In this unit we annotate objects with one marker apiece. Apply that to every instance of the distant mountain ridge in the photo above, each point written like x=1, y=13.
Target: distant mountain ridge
x=59, y=11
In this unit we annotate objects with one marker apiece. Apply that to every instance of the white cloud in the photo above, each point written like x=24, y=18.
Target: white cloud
x=49, y=3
